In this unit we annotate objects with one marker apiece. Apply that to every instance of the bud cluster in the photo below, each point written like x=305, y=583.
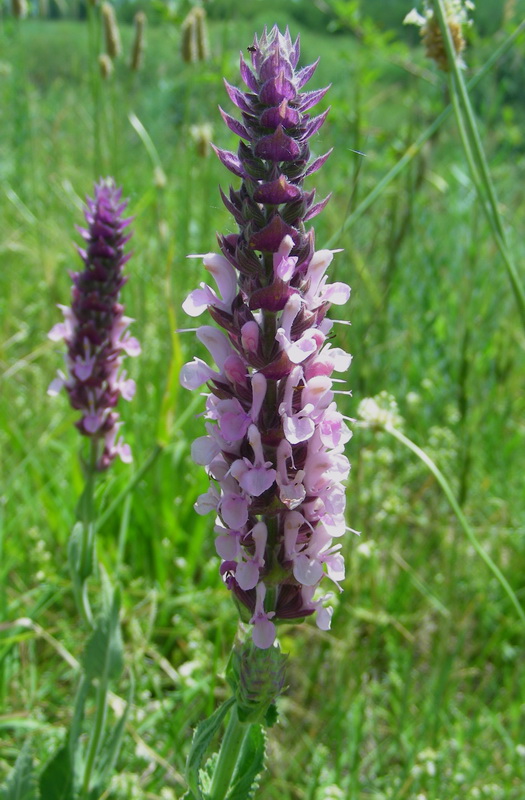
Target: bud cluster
x=275, y=439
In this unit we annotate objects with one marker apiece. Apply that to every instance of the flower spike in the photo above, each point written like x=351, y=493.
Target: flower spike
x=275, y=439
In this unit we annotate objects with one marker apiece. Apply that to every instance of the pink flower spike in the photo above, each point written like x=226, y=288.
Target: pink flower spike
x=275, y=439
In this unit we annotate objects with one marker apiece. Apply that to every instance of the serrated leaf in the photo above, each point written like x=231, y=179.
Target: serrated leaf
x=56, y=781
x=21, y=783
x=204, y=733
x=103, y=656
x=206, y=775
x=249, y=766
x=112, y=747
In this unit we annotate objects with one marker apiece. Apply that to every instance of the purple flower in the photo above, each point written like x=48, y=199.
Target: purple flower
x=95, y=329
x=275, y=439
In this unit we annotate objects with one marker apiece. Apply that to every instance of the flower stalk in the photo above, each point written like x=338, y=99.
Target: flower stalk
x=476, y=157
x=274, y=443
x=95, y=332
x=231, y=745
x=96, y=337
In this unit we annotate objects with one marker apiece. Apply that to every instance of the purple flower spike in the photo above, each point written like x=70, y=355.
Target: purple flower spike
x=274, y=438
x=95, y=329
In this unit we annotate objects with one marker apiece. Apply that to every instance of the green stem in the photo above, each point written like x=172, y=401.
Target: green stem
x=414, y=148
x=97, y=733
x=476, y=156
x=449, y=494
x=157, y=450
x=228, y=756
x=87, y=516
x=94, y=78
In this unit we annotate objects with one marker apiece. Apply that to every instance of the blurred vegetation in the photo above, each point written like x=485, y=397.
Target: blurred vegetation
x=417, y=692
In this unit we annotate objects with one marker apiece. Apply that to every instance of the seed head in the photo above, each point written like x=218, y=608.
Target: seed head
x=106, y=65
x=194, y=42
x=137, y=53
x=457, y=18
x=111, y=31
x=201, y=135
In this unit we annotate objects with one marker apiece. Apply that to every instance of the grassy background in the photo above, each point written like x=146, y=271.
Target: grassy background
x=418, y=690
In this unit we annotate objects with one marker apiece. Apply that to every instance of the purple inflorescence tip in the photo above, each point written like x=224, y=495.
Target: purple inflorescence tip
x=274, y=438
x=95, y=329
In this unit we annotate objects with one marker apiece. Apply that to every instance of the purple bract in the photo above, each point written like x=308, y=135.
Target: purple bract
x=95, y=329
x=275, y=439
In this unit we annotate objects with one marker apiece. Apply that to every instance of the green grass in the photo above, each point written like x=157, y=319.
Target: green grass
x=417, y=691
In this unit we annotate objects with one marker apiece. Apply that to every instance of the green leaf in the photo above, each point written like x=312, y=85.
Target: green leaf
x=56, y=781
x=76, y=755
x=103, y=656
x=21, y=784
x=74, y=554
x=271, y=716
x=112, y=747
x=206, y=775
x=249, y=766
x=204, y=733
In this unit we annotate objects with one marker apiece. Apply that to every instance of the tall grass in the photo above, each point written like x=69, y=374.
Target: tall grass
x=417, y=691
